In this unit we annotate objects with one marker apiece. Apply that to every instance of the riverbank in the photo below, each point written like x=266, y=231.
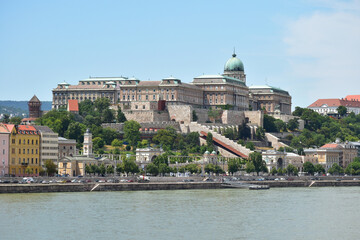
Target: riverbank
x=87, y=187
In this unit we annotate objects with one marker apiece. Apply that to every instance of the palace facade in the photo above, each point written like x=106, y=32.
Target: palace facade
x=226, y=90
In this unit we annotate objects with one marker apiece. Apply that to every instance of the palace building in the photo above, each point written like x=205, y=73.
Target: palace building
x=228, y=89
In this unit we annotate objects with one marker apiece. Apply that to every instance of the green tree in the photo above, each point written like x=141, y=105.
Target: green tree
x=110, y=169
x=86, y=107
x=319, y=169
x=214, y=114
x=193, y=168
x=130, y=166
x=269, y=124
x=6, y=118
x=163, y=168
x=131, y=132
x=233, y=166
x=102, y=169
x=293, y=124
x=51, y=167
x=209, y=139
x=342, y=110
x=309, y=168
x=273, y=171
x=280, y=125
x=260, y=133
x=116, y=143
x=15, y=120
x=119, y=168
x=354, y=167
x=109, y=134
x=101, y=104
x=336, y=169
x=98, y=143
x=88, y=169
x=292, y=170
x=259, y=164
x=250, y=145
x=108, y=116
x=166, y=138
x=152, y=169
x=76, y=131
x=120, y=116
x=249, y=167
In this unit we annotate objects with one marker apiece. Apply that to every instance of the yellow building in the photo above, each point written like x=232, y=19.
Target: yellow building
x=24, y=151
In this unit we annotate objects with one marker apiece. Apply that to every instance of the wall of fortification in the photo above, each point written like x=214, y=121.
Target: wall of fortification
x=147, y=116
x=233, y=117
x=255, y=117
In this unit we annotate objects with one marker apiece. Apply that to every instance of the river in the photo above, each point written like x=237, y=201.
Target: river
x=278, y=213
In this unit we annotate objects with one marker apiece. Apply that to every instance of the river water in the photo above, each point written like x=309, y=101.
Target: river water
x=278, y=213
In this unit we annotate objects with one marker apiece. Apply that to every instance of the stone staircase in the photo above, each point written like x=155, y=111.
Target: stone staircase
x=196, y=127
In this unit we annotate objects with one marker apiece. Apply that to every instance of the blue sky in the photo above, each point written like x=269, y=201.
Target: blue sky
x=309, y=48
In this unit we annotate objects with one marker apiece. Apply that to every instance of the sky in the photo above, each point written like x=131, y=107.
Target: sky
x=310, y=48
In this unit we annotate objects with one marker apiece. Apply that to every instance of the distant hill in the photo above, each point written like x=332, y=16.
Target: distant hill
x=19, y=108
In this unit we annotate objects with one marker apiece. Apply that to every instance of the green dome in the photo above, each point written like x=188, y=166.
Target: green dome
x=234, y=64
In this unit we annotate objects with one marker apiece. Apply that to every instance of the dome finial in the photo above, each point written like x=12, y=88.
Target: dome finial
x=234, y=55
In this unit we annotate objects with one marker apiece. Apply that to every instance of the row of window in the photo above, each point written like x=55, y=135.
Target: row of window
x=13, y=171
x=24, y=151
x=25, y=161
x=24, y=142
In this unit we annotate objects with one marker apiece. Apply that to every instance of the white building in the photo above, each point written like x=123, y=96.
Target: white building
x=49, y=145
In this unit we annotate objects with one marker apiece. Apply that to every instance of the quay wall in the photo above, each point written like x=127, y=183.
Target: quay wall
x=87, y=187
x=79, y=187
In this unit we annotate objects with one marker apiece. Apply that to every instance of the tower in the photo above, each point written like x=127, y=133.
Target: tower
x=235, y=68
x=34, y=107
x=88, y=145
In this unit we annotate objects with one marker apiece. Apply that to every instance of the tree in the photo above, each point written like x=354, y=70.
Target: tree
x=260, y=133
x=119, y=168
x=259, y=164
x=164, y=168
x=101, y=104
x=273, y=171
x=109, y=134
x=108, y=116
x=166, y=138
x=336, y=169
x=280, y=125
x=293, y=124
x=120, y=116
x=269, y=124
x=152, y=169
x=193, y=168
x=130, y=166
x=354, y=167
x=51, y=167
x=131, y=132
x=209, y=139
x=110, y=169
x=214, y=114
x=88, y=169
x=233, y=166
x=6, y=118
x=319, y=168
x=98, y=143
x=29, y=170
x=15, y=120
x=342, y=110
x=75, y=131
x=249, y=167
x=86, y=107
x=309, y=168
x=250, y=145
x=116, y=143
x=291, y=169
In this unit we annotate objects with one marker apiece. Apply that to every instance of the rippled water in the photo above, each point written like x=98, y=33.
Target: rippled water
x=289, y=213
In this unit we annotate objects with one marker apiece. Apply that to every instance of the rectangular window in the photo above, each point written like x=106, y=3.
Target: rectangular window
x=19, y=160
x=20, y=141
x=3, y=142
x=32, y=161
x=154, y=97
x=23, y=151
x=36, y=160
x=13, y=161
x=32, y=151
x=139, y=97
x=13, y=141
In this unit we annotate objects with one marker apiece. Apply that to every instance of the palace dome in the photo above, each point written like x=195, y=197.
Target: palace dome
x=234, y=64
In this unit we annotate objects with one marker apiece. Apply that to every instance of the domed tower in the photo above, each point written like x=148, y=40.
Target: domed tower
x=88, y=145
x=34, y=107
x=235, y=68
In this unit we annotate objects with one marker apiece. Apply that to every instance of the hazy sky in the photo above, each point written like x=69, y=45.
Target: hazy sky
x=309, y=48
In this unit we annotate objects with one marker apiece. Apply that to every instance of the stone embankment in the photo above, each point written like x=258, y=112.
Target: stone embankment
x=87, y=187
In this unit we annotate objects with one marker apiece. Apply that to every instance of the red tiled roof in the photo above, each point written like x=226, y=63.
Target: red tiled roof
x=334, y=102
x=73, y=106
x=6, y=128
x=26, y=128
x=352, y=97
x=330, y=145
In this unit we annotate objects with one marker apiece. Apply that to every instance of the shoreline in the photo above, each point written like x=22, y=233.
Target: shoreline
x=88, y=187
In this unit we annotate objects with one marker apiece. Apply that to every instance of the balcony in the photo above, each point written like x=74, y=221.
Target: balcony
x=24, y=164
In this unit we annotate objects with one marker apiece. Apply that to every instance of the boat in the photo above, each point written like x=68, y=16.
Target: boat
x=259, y=187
